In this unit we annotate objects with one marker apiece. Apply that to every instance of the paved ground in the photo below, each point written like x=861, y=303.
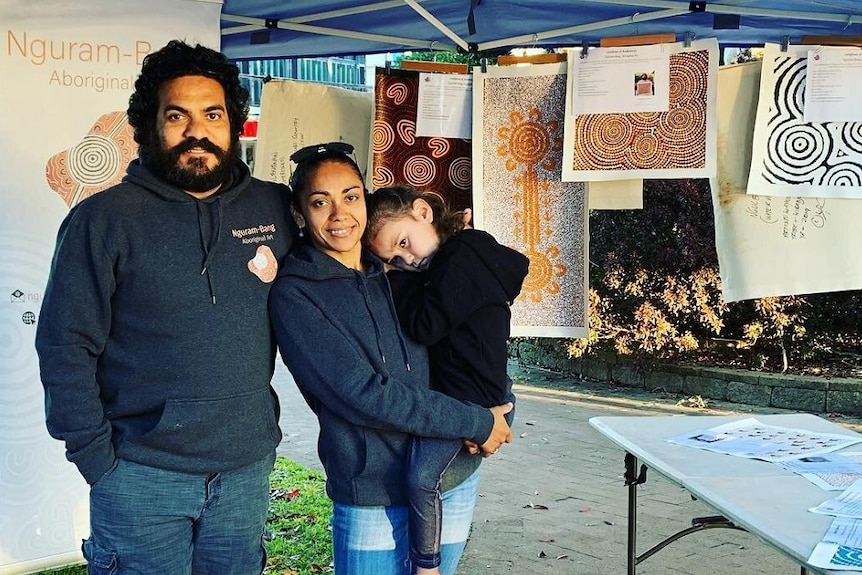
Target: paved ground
x=553, y=502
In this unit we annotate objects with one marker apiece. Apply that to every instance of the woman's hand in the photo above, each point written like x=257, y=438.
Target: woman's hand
x=500, y=433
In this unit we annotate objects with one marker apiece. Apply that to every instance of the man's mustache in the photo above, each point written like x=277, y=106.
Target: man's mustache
x=191, y=143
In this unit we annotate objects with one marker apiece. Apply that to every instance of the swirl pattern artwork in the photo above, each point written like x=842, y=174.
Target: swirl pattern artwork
x=792, y=157
x=96, y=163
x=521, y=200
x=400, y=156
x=675, y=139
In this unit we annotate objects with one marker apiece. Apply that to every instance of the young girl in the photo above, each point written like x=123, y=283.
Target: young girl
x=338, y=334
x=456, y=302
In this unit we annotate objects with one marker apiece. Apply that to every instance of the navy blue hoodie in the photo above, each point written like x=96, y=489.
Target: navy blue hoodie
x=153, y=339
x=369, y=386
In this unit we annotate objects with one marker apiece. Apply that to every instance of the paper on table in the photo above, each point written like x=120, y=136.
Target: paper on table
x=847, y=504
x=841, y=547
x=755, y=440
x=832, y=472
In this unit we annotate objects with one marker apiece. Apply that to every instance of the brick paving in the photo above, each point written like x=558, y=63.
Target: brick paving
x=553, y=502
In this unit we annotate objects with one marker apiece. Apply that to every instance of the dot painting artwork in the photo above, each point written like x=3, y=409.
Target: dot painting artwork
x=400, y=156
x=651, y=140
x=676, y=140
x=95, y=163
x=521, y=200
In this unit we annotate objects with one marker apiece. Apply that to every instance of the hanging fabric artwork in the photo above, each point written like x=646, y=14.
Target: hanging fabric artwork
x=399, y=156
x=295, y=114
x=772, y=246
x=792, y=157
x=520, y=199
x=615, y=130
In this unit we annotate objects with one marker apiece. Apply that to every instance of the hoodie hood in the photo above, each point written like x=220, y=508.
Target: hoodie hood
x=506, y=265
x=307, y=262
x=140, y=175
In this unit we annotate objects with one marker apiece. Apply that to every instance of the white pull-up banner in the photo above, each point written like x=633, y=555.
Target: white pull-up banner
x=68, y=69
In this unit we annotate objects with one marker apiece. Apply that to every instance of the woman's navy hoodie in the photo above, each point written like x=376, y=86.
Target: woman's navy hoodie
x=369, y=386
x=154, y=340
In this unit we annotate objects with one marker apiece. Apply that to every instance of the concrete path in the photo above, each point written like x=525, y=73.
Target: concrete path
x=553, y=502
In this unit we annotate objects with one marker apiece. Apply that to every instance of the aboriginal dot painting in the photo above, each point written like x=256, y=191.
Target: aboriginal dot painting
x=792, y=157
x=443, y=165
x=522, y=201
x=95, y=163
x=671, y=140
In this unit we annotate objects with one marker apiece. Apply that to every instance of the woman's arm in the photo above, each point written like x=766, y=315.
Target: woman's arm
x=329, y=364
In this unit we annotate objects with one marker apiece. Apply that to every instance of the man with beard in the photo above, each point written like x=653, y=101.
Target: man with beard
x=154, y=343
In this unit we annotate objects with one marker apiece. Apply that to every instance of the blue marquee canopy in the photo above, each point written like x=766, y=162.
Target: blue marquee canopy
x=259, y=29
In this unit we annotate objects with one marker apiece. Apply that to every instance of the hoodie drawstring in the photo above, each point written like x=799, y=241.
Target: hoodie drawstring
x=210, y=245
x=404, y=351
x=363, y=287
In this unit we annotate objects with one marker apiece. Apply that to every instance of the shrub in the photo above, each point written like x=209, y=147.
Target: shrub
x=656, y=292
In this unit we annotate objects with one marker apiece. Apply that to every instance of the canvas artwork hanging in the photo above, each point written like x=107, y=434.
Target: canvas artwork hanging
x=676, y=142
x=792, y=157
x=521, y=200
x=771, y=246
x=295, y=114
x=399, y=156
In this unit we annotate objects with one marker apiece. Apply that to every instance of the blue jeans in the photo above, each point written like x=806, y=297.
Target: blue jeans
x=428, y=461
x=375, y=540
x=145, y=520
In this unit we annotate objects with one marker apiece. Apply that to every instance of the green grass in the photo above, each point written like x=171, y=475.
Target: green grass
x=299, y=540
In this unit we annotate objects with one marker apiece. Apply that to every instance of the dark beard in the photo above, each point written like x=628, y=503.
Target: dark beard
x=194, y=177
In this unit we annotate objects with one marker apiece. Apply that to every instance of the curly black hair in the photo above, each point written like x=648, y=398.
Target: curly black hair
x=175, y=60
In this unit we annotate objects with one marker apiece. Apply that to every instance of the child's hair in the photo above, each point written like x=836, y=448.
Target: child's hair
x=394, y=202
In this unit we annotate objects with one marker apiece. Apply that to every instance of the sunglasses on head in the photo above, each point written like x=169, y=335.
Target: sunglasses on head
x=309, y=152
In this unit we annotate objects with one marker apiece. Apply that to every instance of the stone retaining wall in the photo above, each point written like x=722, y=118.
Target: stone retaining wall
x=802, y=393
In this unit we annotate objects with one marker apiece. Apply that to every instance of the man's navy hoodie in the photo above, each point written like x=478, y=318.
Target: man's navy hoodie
x=153, y=339
x=369, y=386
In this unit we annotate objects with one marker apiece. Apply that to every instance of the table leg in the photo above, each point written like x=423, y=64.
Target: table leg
x=632, y=480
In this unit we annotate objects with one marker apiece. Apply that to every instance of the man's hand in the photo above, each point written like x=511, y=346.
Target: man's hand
x=500, y=433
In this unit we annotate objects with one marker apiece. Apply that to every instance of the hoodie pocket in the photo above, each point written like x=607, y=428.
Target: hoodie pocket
x=231, y=429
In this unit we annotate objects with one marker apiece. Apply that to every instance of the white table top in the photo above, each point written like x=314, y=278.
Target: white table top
x=768, y=501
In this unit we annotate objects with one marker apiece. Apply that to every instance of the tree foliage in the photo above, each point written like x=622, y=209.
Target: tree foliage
x=656, y=292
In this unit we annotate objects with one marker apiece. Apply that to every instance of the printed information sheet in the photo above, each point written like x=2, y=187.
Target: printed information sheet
x=445, y=107
x=833, y=85
x=621, y=80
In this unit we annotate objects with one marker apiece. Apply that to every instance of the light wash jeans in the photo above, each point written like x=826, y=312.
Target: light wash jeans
x=145, y=520
x=375, y=541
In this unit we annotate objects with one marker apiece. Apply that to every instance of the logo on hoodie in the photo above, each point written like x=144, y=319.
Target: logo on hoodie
x=263, y=264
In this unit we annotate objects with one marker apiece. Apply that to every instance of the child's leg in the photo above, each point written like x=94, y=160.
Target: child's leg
x=428, y=460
